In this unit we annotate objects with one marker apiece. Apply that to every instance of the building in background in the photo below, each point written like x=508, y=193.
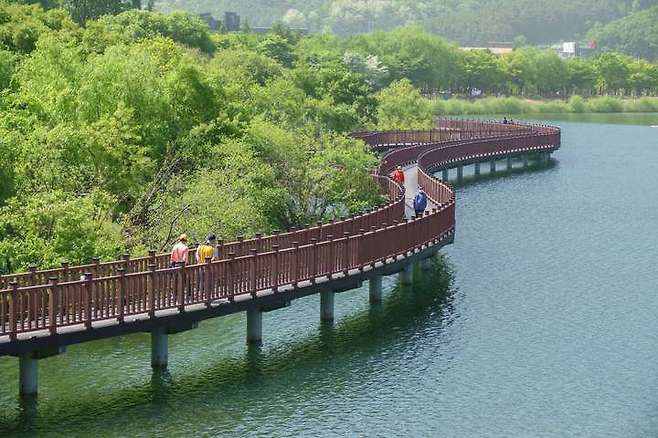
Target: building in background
x=573, y=49
x=232, y=23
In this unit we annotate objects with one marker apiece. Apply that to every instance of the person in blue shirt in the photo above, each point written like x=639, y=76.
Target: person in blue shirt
x=420, y=202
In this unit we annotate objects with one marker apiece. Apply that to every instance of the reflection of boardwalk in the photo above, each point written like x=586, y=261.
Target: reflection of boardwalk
x=410, y=190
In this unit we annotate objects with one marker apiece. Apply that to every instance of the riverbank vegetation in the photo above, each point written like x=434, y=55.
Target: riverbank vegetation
x=119, y=135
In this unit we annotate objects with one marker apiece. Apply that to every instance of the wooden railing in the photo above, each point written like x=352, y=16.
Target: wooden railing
x=81, y=295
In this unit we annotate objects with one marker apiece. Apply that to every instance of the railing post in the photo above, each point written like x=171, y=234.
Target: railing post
x=152, y=260
x=231, y=279
x=295, y=277
x=151, y=288
x=314, y=260
x=220, y=248
x=65, y=271
x=13, y=312
x=126, y=261
x=180, y=286
x=33, y=275
x=359, y=245
x=240, y=250
x=346, y=258
x=88, y=288
x=53, y=290
x=207, y=275
x=122, y=294
x=275, y=269
x=254, y=273
x=97, y=266
x=330, y=238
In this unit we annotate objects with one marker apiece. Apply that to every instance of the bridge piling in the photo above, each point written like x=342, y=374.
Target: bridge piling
x=525, y=160
x=375, y=289
x=445, y=175
x=460, y=173
x=407, y=275
x=492, y=166
x=254, y=326
x=477, y=169
x=509, y=163
x=327, y=305
x=547, y=158
x=28, y=378
x=159, y=348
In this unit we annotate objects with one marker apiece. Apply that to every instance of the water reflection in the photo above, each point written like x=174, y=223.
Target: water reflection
x=258, y=373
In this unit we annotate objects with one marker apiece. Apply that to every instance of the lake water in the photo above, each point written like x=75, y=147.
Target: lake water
x=549, y=328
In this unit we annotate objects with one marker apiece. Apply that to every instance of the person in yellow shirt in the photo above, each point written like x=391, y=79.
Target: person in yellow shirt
x=206, y=249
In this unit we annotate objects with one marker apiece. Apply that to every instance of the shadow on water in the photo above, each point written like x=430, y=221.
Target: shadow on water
x=254, y=377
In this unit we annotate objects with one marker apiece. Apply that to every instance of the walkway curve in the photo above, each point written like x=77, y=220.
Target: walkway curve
x=43, y=311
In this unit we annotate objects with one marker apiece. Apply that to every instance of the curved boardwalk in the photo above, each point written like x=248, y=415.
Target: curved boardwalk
x=41, y=312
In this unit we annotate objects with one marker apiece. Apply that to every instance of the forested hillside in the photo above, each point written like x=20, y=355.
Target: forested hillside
x=636, y=34
x=121, y=134
x=468, y=22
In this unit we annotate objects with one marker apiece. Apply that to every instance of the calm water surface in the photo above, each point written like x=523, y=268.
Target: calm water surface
x=549, y=329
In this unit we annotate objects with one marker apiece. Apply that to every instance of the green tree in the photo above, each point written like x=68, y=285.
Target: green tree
x=402, y=107
x=183, y=28
x=51, y=227
x=582, y=76
x=482, y=70
x=613, y=70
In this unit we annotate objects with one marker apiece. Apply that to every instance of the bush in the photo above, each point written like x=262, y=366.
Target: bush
x=605, y=105
x=577, y=104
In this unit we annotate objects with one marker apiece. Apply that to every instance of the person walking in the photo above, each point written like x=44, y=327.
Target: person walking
x=179, y=252
x=206, y=250
x=420, y=202
x=398, y=176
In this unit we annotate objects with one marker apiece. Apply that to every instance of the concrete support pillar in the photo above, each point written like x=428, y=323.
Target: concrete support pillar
x=159, y=348
x=444, y=175
x=477, y=169
x=547, y=158
x=525, y=160
x=509, y=163
x=460, y=173
x=254, y=326
x=327, y=305
x=492, y=167
x=375, y=285
x=407, y=274
x=28, y=376
x=426, y=264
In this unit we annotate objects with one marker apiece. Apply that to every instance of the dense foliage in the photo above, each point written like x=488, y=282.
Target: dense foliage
x=470, y=22
x=119, y=135
x=636, y=34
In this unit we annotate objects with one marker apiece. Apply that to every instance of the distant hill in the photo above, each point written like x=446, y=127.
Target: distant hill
x=636, y=34
x=466, y=21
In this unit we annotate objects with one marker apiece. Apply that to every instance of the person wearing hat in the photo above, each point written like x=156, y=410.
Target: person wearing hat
x=420, y=202
x=206, y=250
x=398, y=175
x=180, y=251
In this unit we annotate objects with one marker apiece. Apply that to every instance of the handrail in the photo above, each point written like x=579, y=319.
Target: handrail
x=147, y=285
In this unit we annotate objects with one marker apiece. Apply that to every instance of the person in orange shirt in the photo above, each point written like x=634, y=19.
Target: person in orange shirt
x=179, y=253
x=398, y=175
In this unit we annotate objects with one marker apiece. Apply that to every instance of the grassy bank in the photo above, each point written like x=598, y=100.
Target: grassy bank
x=514, y=105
